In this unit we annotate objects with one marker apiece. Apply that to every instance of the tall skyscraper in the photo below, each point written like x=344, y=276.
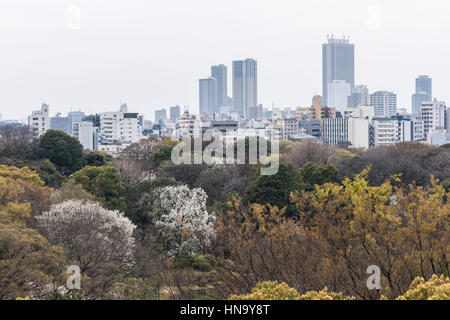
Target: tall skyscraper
x=245, y=86
x=423, y=93
x=338, y=63
x=384, y=104
x=160, y=115
x=208, y=96
x=175, y=113
x=219, y=72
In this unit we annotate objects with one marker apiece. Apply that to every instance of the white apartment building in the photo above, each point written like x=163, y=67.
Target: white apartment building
x=438, y=137
x=120, y=127
x=86, y=133
x=358, y=132
x=385, y=131
x=39, y=120
x=410, y=130
x=283, y=129
x=190, y=126
x=433, y=115
x=384, y=104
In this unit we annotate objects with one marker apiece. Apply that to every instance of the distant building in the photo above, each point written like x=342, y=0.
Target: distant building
x=245, y=86
x=59, y=123
x=208, y=96
x=338, y=63
x=364, y=112
x=256, y=112
x=223, y=127
x=120, y=127
x=39, y=120
x=410, y=130
x=335, y=131
x=310, y=127
x=438, y=137
x=432, y=113
x=160, y=115
x=72, y=117
x=351, y=131
x=339, y=94
x=175, y=113
x=219, y=72
x=360, y=96
x=87, y=134
x=316, y=111
x=284, y=129
x=423, y=93
x=384, y=104
x=385, y=131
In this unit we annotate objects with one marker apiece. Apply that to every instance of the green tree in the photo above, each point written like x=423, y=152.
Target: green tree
x=64, y=151
x=104, y=183
x=274, y=190
x=97, y=158
x=311, y=174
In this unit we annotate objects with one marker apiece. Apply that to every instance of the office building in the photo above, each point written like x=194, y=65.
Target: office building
x=59, y=123
x=360, y=96
x=160, y=116
x=423, y=93
x=339, y=94
x=72, y=117
x=338, y=63
x=175, y=113
x=208, y=96
x=245, y=86
x=219, y=72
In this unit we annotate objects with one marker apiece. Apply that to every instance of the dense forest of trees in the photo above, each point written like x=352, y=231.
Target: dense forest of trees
x=141, y=227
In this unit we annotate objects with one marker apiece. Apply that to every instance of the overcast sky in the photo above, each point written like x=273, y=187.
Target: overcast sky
x=151, y=53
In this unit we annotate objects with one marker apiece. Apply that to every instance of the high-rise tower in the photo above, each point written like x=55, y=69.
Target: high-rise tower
x=338, y=63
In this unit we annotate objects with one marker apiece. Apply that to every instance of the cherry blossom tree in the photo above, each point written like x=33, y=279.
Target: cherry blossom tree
x=182, y=219
x=90, y=234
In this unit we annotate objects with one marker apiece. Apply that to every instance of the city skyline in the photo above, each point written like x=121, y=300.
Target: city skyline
x=69, y=71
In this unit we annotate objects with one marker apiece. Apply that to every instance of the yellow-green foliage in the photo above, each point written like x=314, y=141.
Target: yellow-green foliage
x=437, y=288
x=272, y=290
x=324, y=295
x=17, y=187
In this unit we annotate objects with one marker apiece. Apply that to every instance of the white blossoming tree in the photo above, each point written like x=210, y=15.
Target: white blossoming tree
x=180, y=215
x=90, y=235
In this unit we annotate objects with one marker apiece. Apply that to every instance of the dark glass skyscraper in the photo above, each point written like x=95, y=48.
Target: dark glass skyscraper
x=219, y=72
x=338, y=63
x=245, y=86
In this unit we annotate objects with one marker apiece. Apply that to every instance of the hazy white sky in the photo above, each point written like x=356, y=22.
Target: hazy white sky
x=151, y=53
